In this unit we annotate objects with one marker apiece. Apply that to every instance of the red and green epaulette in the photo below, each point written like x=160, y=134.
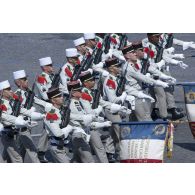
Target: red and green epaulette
x=41, y=79
x=86, y=96
x=52, y=116
x=111, y=84
x=68, y=72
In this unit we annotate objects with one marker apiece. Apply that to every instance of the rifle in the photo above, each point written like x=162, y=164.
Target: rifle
x=169, y=41
x=107, y=41
x=159, y=54
x=79, y=68
x=121, y=84
x=123, y=41
x=89, y=60
x=98, y=92
x=30, y=96
x=16, y=106
x=65, y=112
x=106, y=44
x=56, y=79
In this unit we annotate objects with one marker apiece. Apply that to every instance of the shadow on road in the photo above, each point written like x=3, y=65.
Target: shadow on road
x=188, y=146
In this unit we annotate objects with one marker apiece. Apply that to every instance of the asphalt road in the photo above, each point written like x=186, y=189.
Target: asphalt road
x=22, y=51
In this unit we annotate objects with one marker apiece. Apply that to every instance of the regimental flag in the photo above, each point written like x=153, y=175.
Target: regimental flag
x=189, y=95
x=143, y=142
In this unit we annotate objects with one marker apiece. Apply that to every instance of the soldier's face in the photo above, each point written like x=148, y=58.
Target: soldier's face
x=74, y=60
x=91, y=43
x=131, y=56
x=140, y=53
x=82, y=48
x=8, y=93
x=23, y=83
x=76, y=94
x=155, y=39
x=58, y=100
x=48, y=69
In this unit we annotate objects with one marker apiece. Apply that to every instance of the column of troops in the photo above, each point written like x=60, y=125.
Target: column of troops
x=107, y=79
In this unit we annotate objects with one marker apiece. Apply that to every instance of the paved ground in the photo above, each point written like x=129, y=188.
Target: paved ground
x=22, y=51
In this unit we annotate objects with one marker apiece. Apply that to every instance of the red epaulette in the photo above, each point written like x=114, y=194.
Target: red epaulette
x=86, y=96
x=113, y=40
x=51, y=116
x=3, y=107
x=41, y=79
x=68, y=72
x=111, y=83
x=16, y=97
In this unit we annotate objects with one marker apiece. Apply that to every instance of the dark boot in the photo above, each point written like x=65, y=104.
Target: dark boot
x=42, y=158
x=175, y=114
x=178, y=110
x=111, y=158
x=155, y=114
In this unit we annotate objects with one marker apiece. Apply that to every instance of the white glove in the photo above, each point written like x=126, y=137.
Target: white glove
x=48, y=106
x=80, y=130
x=67, y=130
x=125, y=110
x=123, y=96
x=186, y=45
x=99, y=119
x=87, y=119
x=20, y=122
x=115, y=108
x=122, y=58
x=105, y=73
x=179, y=56
x=141, y=95
x=35, y=116
x=131, y=100
x=33, y=109
x=1, y=127
x=148, y=75
x=99, y=65
x=97, y=125
x=182, y=65
x=192, y=46
x=170, y=50
x=98, y=110
x=90, y=70
x=161, y=84
x=161, y=64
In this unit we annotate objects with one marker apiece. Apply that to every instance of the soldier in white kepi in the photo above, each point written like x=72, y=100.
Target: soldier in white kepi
x=25, y=140
x=81, y=47
x=43, y=82
x=58, y=131
x=12, y=122
x=68, y=69
x=165, y=97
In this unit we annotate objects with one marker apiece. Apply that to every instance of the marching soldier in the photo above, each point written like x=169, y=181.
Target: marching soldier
x=92, y=47
x=25, y=139
x=43, y=83
x=68, y=69
x=81, y=121
x=87, y=101
x=133, y=87
x=165, y=97
x=12, y=121
x=53, y=122
x=109, y=87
